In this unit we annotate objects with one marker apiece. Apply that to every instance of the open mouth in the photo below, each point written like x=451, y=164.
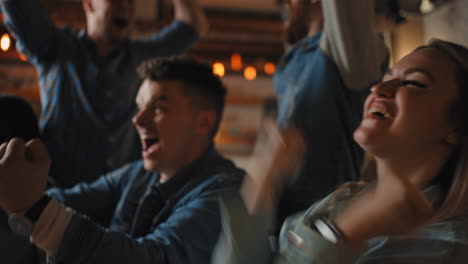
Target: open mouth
x=120, y=22
x=380, y=112
x=148, y=142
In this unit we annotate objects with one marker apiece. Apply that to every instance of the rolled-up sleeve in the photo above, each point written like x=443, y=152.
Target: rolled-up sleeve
x=350, y=40
x=175, y=39
x=35, y=33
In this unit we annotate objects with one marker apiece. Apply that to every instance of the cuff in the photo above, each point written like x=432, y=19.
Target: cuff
x=50, y=227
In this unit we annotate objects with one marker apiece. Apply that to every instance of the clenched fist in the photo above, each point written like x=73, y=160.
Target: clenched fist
x=24, y=168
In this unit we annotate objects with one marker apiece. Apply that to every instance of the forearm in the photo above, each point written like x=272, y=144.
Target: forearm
x=33, y=29
x=350, y=40
x=50, y=227
x=244, y=236
x=190, y=12
x=72, y=238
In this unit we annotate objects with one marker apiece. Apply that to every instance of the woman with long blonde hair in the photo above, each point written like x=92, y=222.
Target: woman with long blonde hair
x=415, y=209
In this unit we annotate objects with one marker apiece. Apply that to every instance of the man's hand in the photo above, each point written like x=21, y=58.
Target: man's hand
x=394, y=206
x=273, y=164
x=191, y=12
x=23, y=174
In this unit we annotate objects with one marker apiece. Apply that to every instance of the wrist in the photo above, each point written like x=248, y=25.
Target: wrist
x=23, y=223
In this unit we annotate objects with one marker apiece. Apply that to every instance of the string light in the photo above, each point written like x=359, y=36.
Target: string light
x=236, y=62
x=426, y=6
x=269, y=68
x=218, y=69
x=250, y=73
x=5, y=42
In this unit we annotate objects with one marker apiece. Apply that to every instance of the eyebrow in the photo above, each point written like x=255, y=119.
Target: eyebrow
x=413, y=70
x=160, y=98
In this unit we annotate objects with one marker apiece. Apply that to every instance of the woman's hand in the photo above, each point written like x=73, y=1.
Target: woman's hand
x=394, y=206
x=275, y=159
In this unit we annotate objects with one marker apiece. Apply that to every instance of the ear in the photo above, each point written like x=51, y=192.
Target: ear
x=205, y=121
x=453, y=138
x=88, y=5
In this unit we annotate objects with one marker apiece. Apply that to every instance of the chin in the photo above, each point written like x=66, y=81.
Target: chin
x=150, y=165
x=363, y=138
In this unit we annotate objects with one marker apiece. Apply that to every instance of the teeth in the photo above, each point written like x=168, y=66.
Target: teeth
x=381, y=112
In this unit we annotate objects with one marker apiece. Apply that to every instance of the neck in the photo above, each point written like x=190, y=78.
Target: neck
x=420, y=168
x=316, y=22
x=167, y=174
x=103, y=45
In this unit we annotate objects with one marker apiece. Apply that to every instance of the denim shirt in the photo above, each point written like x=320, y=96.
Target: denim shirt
x=87, y=100
x=313, y=97
x=179, y=225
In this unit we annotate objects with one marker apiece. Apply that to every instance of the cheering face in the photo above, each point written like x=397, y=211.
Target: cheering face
x=167, y=125
x=114, y=18
x=409, y=111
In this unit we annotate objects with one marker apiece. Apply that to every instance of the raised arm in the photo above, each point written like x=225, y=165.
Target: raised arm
x=36, y=35
x=187, y=236
x=189, y=26
x=190, y=12
x=350, y=40
x=98, y=199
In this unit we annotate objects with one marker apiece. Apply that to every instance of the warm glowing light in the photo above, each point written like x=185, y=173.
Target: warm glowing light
x=236, y=62
x=426, y=7
x=269, y=68
x=250, y=73
x=22, y=56
x=5, y=42
x=218, y=69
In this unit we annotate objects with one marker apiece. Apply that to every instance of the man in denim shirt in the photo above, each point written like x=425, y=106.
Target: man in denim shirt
x=321, y=83
x=163, y=209
x=88, y=81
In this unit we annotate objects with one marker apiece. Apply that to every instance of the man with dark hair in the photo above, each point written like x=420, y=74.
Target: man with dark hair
x=163, y=209
x=88, y=80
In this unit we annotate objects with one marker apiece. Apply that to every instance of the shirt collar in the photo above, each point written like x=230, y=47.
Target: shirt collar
x=171, y=186
x=90, y=45
x=310, y=42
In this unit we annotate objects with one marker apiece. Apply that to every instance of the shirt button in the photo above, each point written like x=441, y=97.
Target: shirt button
x=110, y=163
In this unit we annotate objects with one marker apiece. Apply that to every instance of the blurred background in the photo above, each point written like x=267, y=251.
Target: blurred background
x=243, y=46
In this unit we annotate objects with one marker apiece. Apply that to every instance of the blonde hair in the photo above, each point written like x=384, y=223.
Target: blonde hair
x=455, y=200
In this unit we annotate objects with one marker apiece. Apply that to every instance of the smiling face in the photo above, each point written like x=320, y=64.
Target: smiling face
x=168, y=125
x=409, y=111
x=111, y=19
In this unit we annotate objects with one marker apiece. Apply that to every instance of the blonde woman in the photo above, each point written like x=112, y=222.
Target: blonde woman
x=416, y=208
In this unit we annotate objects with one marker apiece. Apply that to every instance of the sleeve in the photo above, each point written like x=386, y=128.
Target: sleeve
x=187, y=236
x=304, y=245
x=96, y=200
x=350, y=40
x=174, y=39
x=244, y=238
x=36, y=35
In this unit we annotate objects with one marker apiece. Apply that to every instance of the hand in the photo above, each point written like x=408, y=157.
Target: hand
x=275, y=159
x=23, y=174
x=191, y=13
x=394, y=206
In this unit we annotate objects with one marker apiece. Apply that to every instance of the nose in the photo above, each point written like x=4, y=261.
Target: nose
x=385, y=89
x=141, y=117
